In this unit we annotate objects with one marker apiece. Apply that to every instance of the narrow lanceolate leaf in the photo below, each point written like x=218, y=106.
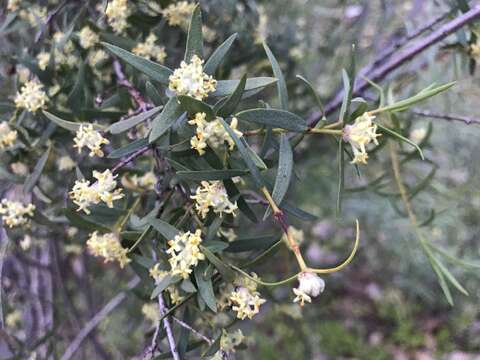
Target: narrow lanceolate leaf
x=218, y=55
x=210, y=175
x=341, y=177
x=347, y=90
x=165, y=229
x=245, y=153
x=76, y=98
x=165, y=283
x=195, y=36
x=222, y=268
x=193, y=106
x=396, y=135
x=227, y=87
x=153, y=70
x=281, y=84
x=128, y=149
x=68, y=125
x=284, y=173
x=253, y=243
x=205, y=286
x=124, y=125
x=153, y=93
x=171, y=112
x=275, y=118
x=229, y=106
x=32, y=179
x=312, y=91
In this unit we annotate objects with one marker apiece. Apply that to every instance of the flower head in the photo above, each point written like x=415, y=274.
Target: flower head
x=103, y=190
x=65, y=163
x=211, y=133
x=149, y=50
x=31, y=96
x=97, y=56
x=43, y=58
x=7, y=135
x=310, y=285
x=14, y=213
x=13, y=5
x=228, y=343
x=142, y=183
x=190, y=80
x=88, y=38
x=92, y=139
x=361, y=133
x=109, y=247
x=178, y=14
x=185, y=253
x=212, y=194
x=117, y=13
x=245, y=298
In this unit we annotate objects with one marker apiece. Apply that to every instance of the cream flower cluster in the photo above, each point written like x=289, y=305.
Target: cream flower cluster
x=87, y=136
x=179, y=14
x=43, y=59
x=35, y=15
x=310, y=285
x=245, y=299
x=14, y=213
x=228, y=343
x=88, y=38
x=144, y=182
x=31, y=96
x=212, y=133
x=64, y=55
x=150, y=50
x=7, y=135
x=65, y=163
x=97, y=56
x=103, y=190
x=109, y=247
x=185, y=253
x=13, y=5
x=190, y=80
x=361, y=133
x=117, y=13
x=158, y=275
x=212, y=194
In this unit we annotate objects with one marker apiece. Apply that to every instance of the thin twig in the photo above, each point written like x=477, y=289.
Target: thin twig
x=450, y=117
x=401, y=58
x=97, y=319
x=49, y=18
x=132, y=90
x=188, y=327
x=129, y=158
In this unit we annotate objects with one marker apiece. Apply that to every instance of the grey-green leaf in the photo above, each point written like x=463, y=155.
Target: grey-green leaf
x=281, y=84
x=165, y=119
x=165, y=229
x=68, y=125
x=153, y=70
x=193, y=106
x=218, y=55
x=275, y=118
x=124, y=125
x=210, y=175
x=205, y=287
x=32, y=179
x=227, y=87
x=284, y=173
x=195, y=36
x=229, y=106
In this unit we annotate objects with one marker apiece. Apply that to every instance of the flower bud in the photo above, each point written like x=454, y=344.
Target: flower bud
x=310, y=285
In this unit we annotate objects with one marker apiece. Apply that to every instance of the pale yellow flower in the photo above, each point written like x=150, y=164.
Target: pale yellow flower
x=418, y=134
x=19, y=168
x=150, y=50
x=13, y=5
x=310, y=285
x=246, y=303
x=109, y=247
x=88, y=38
x=178, y=14
x=86, y=136
x=359, y=134
x=140, y=183
x=7, y=135
x=189, y=79
x=228, y=343
x=117, y=13
x=97, y=56
x=65, y=163
x=31, y=96
x=14, y=213
x=212, y=194
x=35, y=15
x=185, y=253
x=43, y=60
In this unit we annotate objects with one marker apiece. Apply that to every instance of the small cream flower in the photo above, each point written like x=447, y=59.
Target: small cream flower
x=418, y=135
x=26, y=242
x=229, y=234
x=212, y=194
x=97, y=56
x=92, y=139
x=151, y=312
x=65, y=163
x=23, y=74
x=103, y=190
x=179, y=14
x=117, y=13
x=475, y=50
x=361, y=133
x=211, y=133
x=185, y=253
x=190, y=80
x=228, y=343
x=43, y=58
x=109, y=247
x=7, y=135
x=142, y=183
x=31, y=96
x=149, y=50
x=19, y=168
x=14, y=213
x=88, y=38
x=157, y=274
x=310, y=285
x=13, y=5
x=35, y=15
x=246, y=303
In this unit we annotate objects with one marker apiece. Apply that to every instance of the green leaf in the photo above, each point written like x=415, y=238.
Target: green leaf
x=68, y=125
x=347, y=90
x=243, y=206
x=210, y=175
x=284, y=173
x=165, y=283
x=245, y=153
x=153, y=70
x=153, y=94
x=205, y=286
x=128, y=149
x=32, y=179
x=165, y=229
x=443, y=284
x=222, y=268
x=277, y=72
x=195, y=36
x=76, y=98
x=165, y=119
x=341, y=177
x=229, y=106
x=82, y=223
x=312, y=91
x=193, y=106
x=252, y=243
x=218, y=55
x=396, y=135
x=275, y=118
x=227, y=87
x=126, y=124
x=450, y=277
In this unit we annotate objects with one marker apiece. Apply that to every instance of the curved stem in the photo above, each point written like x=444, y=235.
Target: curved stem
x=265, y=283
